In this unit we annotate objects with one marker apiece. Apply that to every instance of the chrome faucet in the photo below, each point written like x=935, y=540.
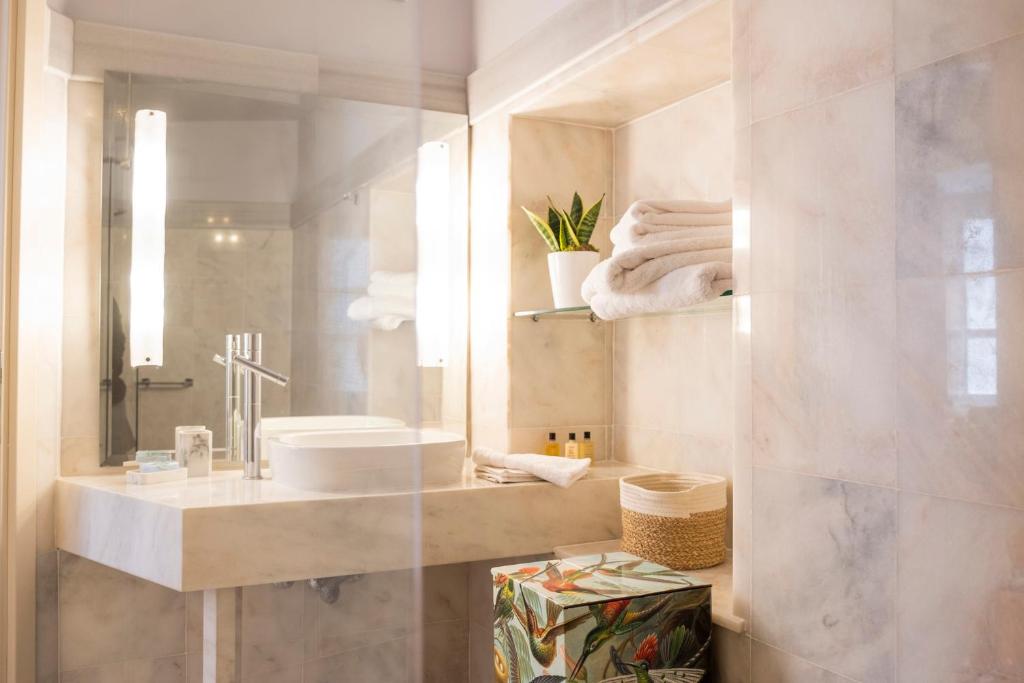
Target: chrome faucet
x=243, y=379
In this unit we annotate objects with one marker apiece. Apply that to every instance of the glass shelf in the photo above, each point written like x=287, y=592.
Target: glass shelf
x=722, y=304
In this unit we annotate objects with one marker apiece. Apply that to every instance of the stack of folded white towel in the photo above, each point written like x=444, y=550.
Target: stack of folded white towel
x=668, y=254
x=390, y=300
x=515, y=468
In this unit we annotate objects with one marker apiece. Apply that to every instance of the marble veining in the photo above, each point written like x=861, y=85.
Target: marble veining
x=961, y=609
x=174, y=534
x=804, y=51
x=959, y=163
x=833, y=602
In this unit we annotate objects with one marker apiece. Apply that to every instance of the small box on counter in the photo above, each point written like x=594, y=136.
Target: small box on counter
x=194, y=450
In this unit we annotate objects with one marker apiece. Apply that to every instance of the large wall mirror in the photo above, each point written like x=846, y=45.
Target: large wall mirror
x=309, y=219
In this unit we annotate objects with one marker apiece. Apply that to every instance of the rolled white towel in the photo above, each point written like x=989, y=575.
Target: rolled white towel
x=646, y=219
x=387, y=283
x=634, y=269
x=684, y=287
x=562, y=472
x=404, y=277
x=385, y=313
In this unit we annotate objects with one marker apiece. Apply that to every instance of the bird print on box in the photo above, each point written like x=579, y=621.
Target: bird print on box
x=601, y=619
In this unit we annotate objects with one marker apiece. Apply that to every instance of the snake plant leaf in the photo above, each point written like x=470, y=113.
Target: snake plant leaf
x=576, y=212
x=552, y=217
x=588, y=222
x=565, y=222
x=544, y=229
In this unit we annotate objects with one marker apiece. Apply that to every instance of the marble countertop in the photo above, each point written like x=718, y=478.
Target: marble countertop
x=223, y=531
x=719, y=576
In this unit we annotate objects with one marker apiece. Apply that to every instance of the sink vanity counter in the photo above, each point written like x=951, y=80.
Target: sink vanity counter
x=222, y=531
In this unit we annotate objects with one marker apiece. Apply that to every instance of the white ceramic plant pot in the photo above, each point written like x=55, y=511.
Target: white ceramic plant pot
x=568, y=270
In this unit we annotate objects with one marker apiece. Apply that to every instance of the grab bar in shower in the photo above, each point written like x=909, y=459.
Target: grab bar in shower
x=147, y=383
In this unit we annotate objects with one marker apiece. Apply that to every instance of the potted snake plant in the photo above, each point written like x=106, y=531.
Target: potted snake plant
x=572, y=256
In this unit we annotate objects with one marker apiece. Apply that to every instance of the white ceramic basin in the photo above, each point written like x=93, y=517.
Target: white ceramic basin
x=367, y=461
x=271, y=427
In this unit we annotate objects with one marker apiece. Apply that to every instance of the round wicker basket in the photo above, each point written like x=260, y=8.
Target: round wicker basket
x=677, y=520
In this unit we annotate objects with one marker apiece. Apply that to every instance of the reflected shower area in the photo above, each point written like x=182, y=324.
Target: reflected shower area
x=299, y=217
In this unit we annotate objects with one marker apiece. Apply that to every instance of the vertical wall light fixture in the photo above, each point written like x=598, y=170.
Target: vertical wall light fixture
x=149, y=206
x=432, y=229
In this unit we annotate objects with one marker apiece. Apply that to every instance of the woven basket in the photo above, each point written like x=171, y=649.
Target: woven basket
x=677, y=520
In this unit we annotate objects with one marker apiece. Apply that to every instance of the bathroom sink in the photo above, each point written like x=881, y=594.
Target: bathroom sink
x=271, y=427
x=366, y=461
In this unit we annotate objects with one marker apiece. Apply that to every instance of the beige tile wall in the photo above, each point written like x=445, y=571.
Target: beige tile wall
x=559, y=370
x=881, y=515
x=115, y=628
x=672, y=387
x=490, y=281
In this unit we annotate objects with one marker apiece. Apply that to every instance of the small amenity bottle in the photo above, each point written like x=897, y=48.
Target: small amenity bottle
x=587, y=447
x=552, y=447
x=572, y=446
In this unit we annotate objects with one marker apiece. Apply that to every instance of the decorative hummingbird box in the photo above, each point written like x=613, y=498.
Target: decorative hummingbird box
x=600, y=619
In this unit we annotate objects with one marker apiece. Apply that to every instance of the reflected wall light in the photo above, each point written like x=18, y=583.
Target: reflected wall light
x=432, y=227
x=149, y=205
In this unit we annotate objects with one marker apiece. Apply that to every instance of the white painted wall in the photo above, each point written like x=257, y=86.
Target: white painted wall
x=497, y=24
x=371, y=31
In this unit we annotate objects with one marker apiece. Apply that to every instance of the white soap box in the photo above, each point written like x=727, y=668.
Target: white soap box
x=135, y=477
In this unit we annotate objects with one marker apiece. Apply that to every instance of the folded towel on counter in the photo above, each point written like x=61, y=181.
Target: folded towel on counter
x=683, y=287
x=634, y=269
x=384, y=312
x=562, y=472
x=653, y=220
x=387, y=283
x=504, y=475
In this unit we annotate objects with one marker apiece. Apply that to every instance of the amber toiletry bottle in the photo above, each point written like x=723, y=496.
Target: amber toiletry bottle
x=552, y=447
x=587, y=447
x=572, y=446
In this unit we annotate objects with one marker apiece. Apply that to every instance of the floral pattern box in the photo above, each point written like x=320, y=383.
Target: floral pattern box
x=599, y=619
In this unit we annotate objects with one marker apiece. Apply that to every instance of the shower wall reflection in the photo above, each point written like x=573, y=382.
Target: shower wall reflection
x=281, y=208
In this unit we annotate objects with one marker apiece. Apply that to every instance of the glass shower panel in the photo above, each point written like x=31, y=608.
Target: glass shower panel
x=293, y=145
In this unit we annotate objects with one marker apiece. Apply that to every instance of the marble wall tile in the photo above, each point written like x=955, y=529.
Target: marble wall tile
x=742, y=456
x=446, y=652
x=162, y=670
x=961, y=387
x=386, y=661
x=824, y=575
x=558, y=373
x=47, y=634
x=642, y=169
x=741, y=66
x=272, y=632
x=730, y=653
x=489, y=282
x=771, y=665
x=481, y=653
x=108, y=616
x=926, y=31
x=673, y=451
x=372, y=610
x=822, y=197
x=961, y=603
x=697, y=132
x=959, y=163
x=802, y=51
x=741, y=198
x=823, y=383
x=550, y=159
x=194, y=637
x=695, y=372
